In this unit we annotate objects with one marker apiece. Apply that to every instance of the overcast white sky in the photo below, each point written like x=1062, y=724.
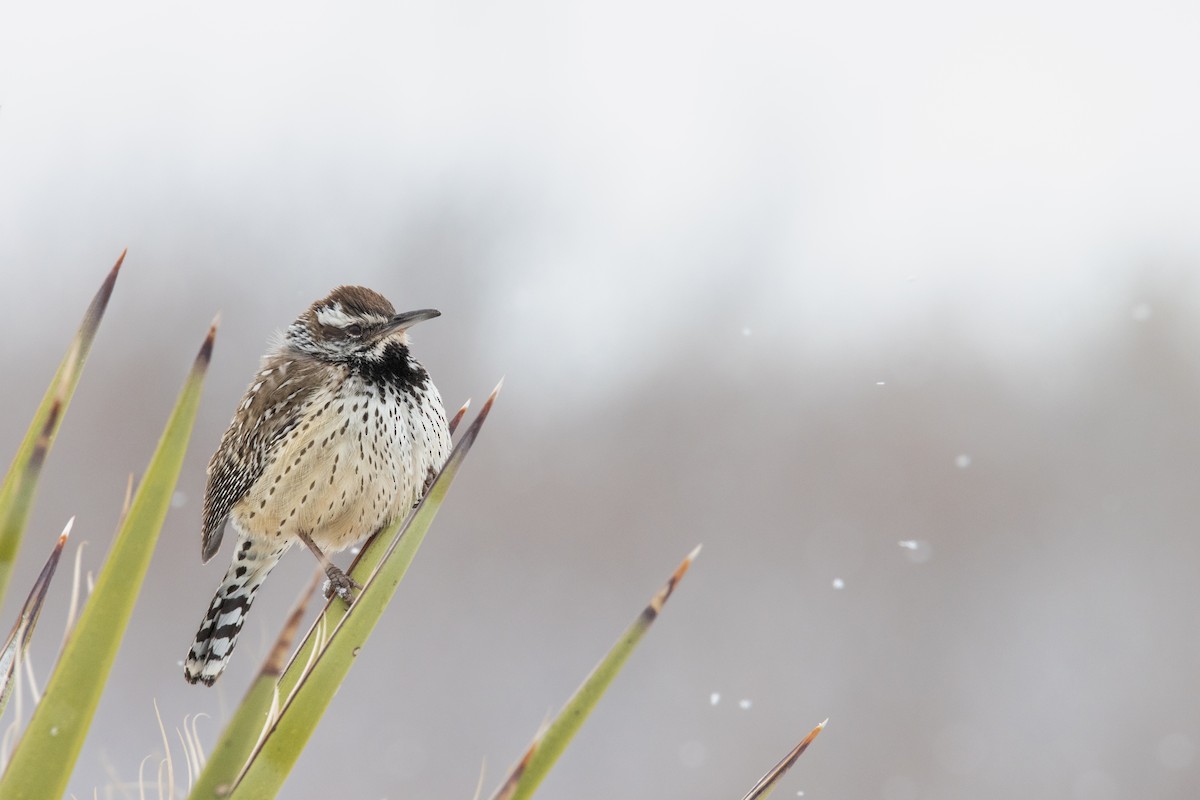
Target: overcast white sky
x=860, y=163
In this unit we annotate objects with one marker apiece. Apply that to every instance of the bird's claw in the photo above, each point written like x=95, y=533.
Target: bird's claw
x=430, y=477
x=340, y=584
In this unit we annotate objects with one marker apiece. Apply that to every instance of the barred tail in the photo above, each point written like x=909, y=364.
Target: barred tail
x=223, y=622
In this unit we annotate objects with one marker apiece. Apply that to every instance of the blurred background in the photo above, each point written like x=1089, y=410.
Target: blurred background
x=893, y=307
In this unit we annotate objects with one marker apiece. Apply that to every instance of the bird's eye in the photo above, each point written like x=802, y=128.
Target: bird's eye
x=354, y=331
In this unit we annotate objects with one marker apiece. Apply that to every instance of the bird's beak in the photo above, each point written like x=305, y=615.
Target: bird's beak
x=402, y=322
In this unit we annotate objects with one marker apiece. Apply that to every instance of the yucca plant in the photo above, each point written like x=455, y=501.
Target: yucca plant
x=266, y=734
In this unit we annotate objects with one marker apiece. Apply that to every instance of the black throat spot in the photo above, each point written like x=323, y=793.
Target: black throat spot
x=395, y=369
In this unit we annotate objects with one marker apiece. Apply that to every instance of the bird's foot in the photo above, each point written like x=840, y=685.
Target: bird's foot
x=430, y=477
x=340, y=584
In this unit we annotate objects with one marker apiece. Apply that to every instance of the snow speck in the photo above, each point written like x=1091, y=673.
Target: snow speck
x=746, y=331
x=1141, y=312
x=838, y=583
x=354, y=551
x=714, y=698
x=178, y=500
x=799, y=793
x=918, y=550
x=745, y=704
x=881, y=383
x=962, y=461
x=54, y=731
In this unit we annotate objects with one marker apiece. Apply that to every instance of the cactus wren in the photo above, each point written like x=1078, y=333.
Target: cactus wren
x=339, y=434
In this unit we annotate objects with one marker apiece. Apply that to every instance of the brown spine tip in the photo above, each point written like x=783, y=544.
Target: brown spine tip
x=110, y=281
x=468, y=438
x=62, y=537
x=763, y=787
x=659, y=600
x=206, y=349
x=487, y=405
x=457, y=418
x=813, y=733
x=91, y=318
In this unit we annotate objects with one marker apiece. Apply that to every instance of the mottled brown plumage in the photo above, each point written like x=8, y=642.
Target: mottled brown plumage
x=272, y=408
x=335, y=438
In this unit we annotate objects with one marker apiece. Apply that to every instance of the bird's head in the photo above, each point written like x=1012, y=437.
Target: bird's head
x=353, y=323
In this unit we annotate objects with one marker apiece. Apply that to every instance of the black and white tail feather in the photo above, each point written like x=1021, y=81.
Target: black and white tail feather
x=222, y=624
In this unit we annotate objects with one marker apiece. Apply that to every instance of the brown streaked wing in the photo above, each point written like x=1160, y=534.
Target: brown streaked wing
x=272, y=406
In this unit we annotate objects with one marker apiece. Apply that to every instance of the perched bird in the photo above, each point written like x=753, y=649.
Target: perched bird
x=339, y=434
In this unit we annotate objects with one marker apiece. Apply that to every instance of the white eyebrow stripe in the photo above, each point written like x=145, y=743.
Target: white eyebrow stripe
x=334, y=317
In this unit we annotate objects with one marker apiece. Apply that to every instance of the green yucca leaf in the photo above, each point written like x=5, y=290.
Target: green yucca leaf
x=42, y=762
x=22, y=632
x=20, y=483
x=768, y=781
x=525, y=777
x=327, y=653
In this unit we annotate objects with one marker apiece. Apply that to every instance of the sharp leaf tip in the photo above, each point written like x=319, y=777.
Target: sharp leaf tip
x=206, y=349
